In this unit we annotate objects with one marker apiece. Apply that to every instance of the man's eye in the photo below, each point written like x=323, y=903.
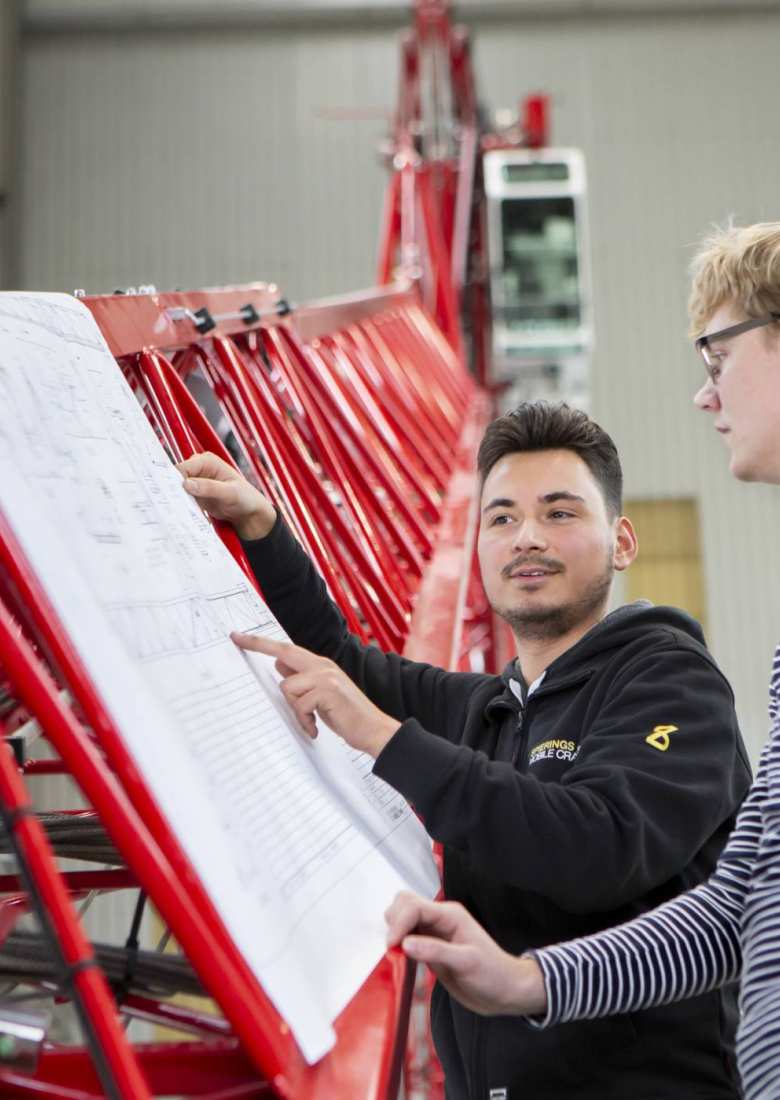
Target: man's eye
x=500, y=520
x=559, y=513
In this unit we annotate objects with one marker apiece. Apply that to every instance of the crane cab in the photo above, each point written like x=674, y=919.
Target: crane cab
x=539, y=273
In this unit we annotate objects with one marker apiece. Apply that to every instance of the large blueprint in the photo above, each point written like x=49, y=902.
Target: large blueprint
x=298, y=844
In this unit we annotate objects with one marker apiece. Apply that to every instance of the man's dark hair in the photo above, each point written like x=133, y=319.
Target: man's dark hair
x=543, y=426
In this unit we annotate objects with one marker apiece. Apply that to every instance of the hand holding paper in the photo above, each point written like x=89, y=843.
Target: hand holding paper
x=464, y=958
x=226, y=494
x=313, y=684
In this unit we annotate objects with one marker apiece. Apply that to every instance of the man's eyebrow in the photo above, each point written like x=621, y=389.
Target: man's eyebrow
x=499, y=502
x=561, y=494
x=548, y=498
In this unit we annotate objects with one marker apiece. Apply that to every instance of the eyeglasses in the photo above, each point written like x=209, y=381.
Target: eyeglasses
x=711, y=359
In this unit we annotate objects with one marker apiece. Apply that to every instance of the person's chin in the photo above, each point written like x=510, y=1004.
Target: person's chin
x=742, y=468
x=535, y=605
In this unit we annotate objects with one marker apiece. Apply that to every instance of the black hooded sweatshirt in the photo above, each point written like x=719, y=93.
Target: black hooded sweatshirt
x=608, y=790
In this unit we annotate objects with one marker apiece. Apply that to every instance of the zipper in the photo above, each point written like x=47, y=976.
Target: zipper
x=522, y=731
x=544, y=689
x=500, y=702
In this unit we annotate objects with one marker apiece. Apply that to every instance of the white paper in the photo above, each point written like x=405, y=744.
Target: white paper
x=300, y=847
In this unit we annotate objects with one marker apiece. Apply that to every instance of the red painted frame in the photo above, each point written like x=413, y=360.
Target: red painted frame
x=372, y=348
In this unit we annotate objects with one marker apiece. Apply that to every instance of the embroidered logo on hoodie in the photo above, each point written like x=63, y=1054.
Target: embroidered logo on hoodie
x=554, y=749
x=659, y=738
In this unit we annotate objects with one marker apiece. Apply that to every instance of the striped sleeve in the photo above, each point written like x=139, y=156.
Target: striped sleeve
x=685, y=947
x=758, y=1038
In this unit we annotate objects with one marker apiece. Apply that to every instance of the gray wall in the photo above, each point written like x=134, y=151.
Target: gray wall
x=185, y=160
x=202, y=156
x=9, y=103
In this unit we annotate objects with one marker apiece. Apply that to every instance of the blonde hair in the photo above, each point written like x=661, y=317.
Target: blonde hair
x=739, y=265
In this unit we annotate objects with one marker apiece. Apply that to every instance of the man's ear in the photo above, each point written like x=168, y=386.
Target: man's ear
x=626, y=544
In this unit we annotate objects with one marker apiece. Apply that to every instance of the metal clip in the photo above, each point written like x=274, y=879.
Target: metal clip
x=204, y=321
x=200, y=318
x=250, y=316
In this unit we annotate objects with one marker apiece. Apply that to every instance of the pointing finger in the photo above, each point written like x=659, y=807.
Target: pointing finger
x=294, y=657
x=258, y=644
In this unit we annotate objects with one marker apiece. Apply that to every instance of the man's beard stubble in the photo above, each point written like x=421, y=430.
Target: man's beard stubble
x=545, y=624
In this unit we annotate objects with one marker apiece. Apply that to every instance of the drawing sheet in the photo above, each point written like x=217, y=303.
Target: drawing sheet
x=300, y=847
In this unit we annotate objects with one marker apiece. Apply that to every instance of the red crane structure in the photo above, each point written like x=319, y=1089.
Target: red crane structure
x=359, y=417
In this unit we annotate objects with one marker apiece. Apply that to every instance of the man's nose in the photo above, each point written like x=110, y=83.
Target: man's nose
x=528, y=535
x=706, y=398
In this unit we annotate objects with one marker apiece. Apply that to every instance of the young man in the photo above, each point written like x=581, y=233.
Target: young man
x=730, y=924
x=598, y=776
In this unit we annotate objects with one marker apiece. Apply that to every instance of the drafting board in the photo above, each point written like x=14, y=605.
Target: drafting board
x=175, y=629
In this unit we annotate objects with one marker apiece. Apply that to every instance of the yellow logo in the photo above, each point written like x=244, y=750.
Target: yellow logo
x=659, y=738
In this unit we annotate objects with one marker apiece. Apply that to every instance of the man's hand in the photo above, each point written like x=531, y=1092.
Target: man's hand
x=313, y=684
x=468, y=963
x=226, y=494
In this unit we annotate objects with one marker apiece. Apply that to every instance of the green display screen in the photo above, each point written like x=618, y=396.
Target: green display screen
x=535, y=172
x=539, y=286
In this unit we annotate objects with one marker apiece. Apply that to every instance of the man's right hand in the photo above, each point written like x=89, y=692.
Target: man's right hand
x=226, y=494
x=467, y=962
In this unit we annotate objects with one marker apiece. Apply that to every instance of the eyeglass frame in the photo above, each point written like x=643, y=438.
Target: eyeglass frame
x=702, y=342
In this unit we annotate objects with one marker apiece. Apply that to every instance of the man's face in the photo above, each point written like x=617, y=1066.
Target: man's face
x=745, y=397
x=547, y=547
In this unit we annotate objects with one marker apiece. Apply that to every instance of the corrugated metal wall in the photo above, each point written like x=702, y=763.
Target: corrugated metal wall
x=188, y=160
x=201, y=158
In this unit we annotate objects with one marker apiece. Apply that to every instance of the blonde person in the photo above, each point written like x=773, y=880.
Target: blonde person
x=729, y=926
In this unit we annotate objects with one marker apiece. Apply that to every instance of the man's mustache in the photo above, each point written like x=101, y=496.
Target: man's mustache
x=549, y=564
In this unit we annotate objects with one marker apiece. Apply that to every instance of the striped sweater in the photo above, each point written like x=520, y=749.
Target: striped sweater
x=730, y=925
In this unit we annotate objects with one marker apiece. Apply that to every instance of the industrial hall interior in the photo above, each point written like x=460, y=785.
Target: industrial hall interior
x=389, y=612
